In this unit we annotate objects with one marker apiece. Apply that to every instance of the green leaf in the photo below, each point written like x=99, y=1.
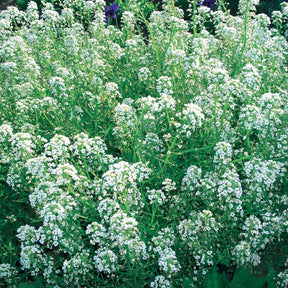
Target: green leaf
x=36, y=284
x=270, y=278
x=25, y=285
x=243, y=278
x=215, y=280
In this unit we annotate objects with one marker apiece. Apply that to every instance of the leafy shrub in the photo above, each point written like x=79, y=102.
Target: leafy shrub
x=23, y=4
x=132, y=161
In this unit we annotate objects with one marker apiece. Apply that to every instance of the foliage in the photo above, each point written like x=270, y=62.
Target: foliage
x=147, y=153
x=23, y=4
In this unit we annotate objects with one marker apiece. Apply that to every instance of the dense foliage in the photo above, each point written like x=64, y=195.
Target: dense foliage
x=264, y=6
x=147, y=153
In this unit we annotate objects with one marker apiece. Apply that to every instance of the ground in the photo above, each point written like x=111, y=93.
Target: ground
x=5, y=3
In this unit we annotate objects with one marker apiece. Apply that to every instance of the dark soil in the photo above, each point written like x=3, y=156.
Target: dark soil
x=5, y=3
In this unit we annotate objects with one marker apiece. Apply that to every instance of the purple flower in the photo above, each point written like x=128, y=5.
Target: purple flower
x=208, y=3
x=111, y=11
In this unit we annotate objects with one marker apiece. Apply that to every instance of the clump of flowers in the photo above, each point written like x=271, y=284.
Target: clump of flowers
x=149, y=153
x=7, y=273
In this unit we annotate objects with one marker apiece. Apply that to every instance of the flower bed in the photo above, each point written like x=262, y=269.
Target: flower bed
x=143, y=161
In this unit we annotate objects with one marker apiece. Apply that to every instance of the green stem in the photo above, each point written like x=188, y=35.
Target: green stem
x=169, y=153
x=154, y=211
x=244, y=42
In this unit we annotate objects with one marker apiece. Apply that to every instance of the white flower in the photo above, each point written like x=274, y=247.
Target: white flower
x=105, y=260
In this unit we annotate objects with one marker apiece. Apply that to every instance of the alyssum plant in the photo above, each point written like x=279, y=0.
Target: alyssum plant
x=143, y=161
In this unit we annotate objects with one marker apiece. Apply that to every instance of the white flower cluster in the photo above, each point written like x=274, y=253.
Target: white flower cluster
x=128, y=19
x=6, y=133
x=257, y=233
x=105, y=260
x=77, y=269
x=120, y=182
x=56, y=199
x=192, y=117
x=121, y=236
x=246, y=6
x=126, y=121
x=167, y=259
x=283, y=277
x=223, y=153
x=243, y=254
x=91, y=152
x=200, y=230
x=156, y=196
x=264, y=117
x=160, y=282
x=144, y=74
x=7, y=273
x=221, y=189
x=261, y=179
x=151, y=145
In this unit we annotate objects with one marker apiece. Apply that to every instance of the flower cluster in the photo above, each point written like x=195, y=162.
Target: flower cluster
x=150, y=153
x=7, y=273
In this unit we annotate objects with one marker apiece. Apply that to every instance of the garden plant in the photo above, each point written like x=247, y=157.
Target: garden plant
x=139, y=149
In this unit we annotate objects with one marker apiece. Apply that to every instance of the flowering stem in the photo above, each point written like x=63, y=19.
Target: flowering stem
x=194, y=19
x=244, y=42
